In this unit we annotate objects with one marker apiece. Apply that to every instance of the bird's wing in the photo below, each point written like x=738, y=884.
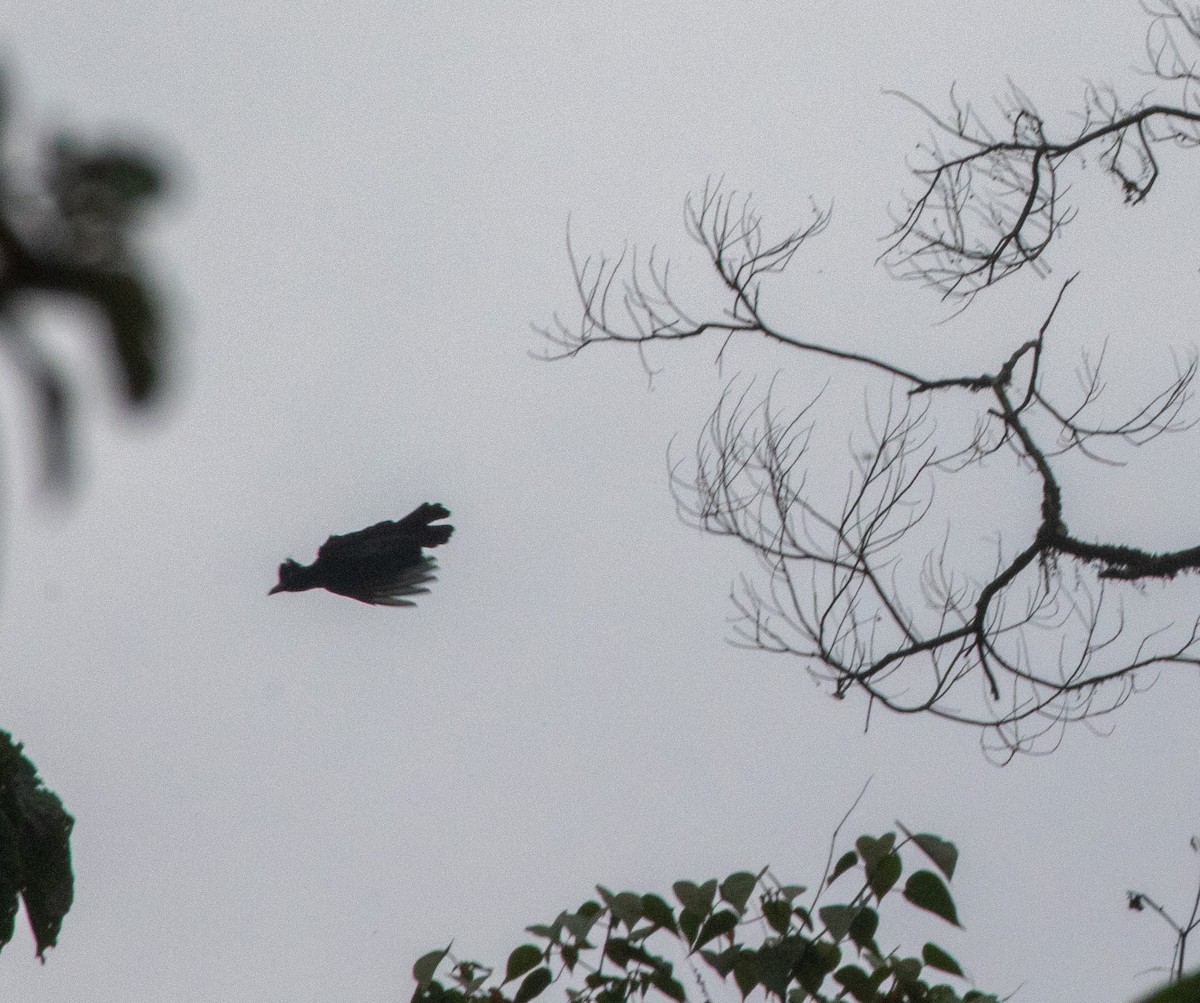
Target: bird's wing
x=376, y=541
x=403, y=539
x=408, y=581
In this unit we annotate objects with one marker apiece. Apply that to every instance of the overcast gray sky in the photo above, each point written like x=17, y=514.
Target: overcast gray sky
x=293, y=798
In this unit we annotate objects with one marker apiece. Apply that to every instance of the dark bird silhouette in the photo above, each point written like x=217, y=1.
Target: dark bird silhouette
x=378, y=565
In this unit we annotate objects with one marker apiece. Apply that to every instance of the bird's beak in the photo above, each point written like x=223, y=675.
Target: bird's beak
x=277, y=588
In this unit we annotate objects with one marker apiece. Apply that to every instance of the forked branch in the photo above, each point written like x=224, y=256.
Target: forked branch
x=856, y=580
x=990, y=197
x=1036, y=639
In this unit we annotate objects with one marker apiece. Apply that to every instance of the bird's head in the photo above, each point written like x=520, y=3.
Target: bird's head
x=289, y=575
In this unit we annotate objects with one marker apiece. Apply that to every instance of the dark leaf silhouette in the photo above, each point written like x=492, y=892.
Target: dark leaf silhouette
x=35, y=850
x=380, y=565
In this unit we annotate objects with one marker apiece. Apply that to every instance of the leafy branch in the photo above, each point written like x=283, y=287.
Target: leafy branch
x=750, y=928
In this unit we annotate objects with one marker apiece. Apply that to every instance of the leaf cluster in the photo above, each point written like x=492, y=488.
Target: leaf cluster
x=749, y=930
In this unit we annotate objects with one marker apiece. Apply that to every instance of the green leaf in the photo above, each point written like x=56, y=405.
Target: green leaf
x=775, y=962
x=927, y=891
x=941, y=852
x=717, y=925
x=746, y=972
x=882, y=874
x=737, y=889
x=522, y=959
x=627, y=907
x=668, y=985
x=619, y=951
x=689, y=924
x=863, y=927
x=698, y=898
x=857, y=983
x=620, y=990
x=424, y=967
x=688, y=893
x=552, y=931
x=906, y=970
x=135, y=329
x=837, y=918
x=534, y=985
x=622, y=951
x=721, y=962
x=580, y=922
x=778, y=914
x=935, y=957
x=815, y=963
x=874, y=850
x=658, y=912
x=845, y=862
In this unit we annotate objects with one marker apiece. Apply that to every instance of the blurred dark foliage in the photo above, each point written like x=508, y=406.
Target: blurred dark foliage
x=35, y=850
x=67, y=228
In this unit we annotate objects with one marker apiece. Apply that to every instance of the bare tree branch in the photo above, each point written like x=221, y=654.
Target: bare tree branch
x=990, y=200
x=858, y=587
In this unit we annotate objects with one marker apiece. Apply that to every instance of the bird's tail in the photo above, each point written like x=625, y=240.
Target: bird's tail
x=418, y=522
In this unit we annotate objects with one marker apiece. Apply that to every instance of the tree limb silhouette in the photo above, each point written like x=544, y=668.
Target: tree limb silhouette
x=1045, y=633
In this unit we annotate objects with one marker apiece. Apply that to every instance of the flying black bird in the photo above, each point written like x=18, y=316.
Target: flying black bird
x=377, y=565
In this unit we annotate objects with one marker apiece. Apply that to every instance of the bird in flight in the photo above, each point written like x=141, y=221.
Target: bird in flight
x=379, y=565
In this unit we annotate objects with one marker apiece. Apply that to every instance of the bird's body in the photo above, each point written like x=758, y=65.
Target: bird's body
x=379, y=565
